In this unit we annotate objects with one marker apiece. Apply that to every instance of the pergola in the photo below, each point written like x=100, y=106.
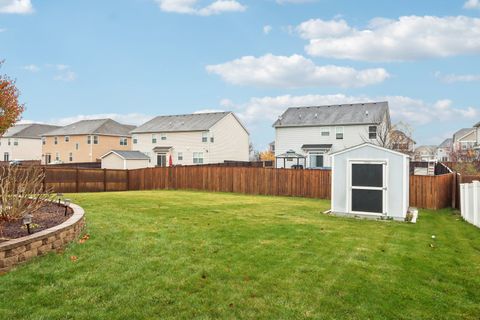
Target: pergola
x=290, y=154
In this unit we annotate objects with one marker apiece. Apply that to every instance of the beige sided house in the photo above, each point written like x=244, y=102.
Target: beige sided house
x=85, y=141
x=190, y=139
x=23, y=142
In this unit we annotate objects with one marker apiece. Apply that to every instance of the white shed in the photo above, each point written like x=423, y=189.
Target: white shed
x=368, y=180
x=123, y=159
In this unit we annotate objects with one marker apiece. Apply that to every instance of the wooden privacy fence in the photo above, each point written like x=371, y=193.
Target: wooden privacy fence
x=431, y=192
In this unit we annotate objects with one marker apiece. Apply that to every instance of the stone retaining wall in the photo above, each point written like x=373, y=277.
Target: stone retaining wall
x=16, y=251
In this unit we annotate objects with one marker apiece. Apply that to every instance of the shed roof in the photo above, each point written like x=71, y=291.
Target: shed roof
x=128, y=155
x=29, y=131
x=371, y=145
x=341, y=114
x=107, y=127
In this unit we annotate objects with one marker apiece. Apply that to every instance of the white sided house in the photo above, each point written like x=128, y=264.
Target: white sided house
x=306, y=136
x=23, y=142
x=370, y=181
x=192, y=139
x=125, y=160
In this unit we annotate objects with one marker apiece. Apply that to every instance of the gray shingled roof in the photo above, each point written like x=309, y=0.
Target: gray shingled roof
x=181, y=123
x=462, y=132
x=129, y=155
x=29, y=130
x=447, y=143
x=106, y=127
x=344, y=114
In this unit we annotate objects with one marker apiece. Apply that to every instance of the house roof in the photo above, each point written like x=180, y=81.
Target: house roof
x=29, y=131
x=342, y=114
x=183, y=122
x=430, y=149
x=368, y=144
x=447, y=143
x=128, y=155
x=107, y=127
x=400, y=134
x=462, y=133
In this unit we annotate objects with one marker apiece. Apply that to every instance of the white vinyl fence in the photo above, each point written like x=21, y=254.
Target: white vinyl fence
x=470, y=202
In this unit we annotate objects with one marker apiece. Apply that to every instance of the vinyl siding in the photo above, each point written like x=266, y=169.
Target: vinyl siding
x=113, y=161
x=230, y=143
x=27, y=149
x=293, y=138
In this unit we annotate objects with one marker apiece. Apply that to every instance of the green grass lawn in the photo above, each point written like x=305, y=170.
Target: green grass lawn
x=184, y=255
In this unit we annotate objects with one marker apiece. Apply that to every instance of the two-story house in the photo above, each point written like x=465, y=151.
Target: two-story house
x=23, y=142
x=306, y=136
x=191, y=139
x=401, y=142
x=85, y=141
x=464, y=139
x=444, y=150
x=425, y=153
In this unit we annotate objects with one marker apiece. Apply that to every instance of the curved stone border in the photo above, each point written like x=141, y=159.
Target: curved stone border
x=16, y=251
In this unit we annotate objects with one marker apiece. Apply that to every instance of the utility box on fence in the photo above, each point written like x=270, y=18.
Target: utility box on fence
x=470, y=202
x=368, y=180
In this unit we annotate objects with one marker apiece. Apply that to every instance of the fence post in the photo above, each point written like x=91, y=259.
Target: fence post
x=104, y=180
x=44, y=182
x=76, y=180
x=475, y=191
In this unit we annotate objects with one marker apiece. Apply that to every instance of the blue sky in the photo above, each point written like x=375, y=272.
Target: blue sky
x=135, y=59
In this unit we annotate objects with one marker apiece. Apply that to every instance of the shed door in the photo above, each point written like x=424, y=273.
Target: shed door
x=368, y=187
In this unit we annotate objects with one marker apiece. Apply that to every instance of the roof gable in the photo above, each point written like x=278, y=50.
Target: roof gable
x=128, y=155
x=345, y=114
x=369, y=145
x=29, y=131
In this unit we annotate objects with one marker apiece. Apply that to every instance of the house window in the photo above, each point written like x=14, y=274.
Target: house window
x=154, y=138
x=135, y=139
x=89, y=139
x=57, y=156
x=77, y=146
x=55, y=140
x=339, y=133
x=95, y=139
x=9, y=142
x=325, y=132
x=180, y=156
x=204, y=136
x=372, y=132
x=6, y=157
x=48, y=158
x=212, y=139
x=316, y=159
x=44, y=141
x=70, y=157
x=198, y=157
x=123, y=141
x=163, y=136
x=15, y=142
x=67, y=138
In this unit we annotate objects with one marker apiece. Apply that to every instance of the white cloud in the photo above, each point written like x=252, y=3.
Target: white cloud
x=16, y=6
x=293, y=72
x=31, y=67
x=407, y=38
x=192, y=7
x=3, y=30
x=472, y=4
x=294, y=1
x=267, y=29
x=64, y=73
x=412, y=111
x=452, y=78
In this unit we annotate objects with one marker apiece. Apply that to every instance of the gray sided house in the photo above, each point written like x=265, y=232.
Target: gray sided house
x=368, y=180
x=307, y=136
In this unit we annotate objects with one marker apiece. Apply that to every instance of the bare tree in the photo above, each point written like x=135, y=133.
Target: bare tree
x=396, y=137
x=21, y=192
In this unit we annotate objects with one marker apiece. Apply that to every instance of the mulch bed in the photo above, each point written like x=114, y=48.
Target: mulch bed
x=49, y=216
